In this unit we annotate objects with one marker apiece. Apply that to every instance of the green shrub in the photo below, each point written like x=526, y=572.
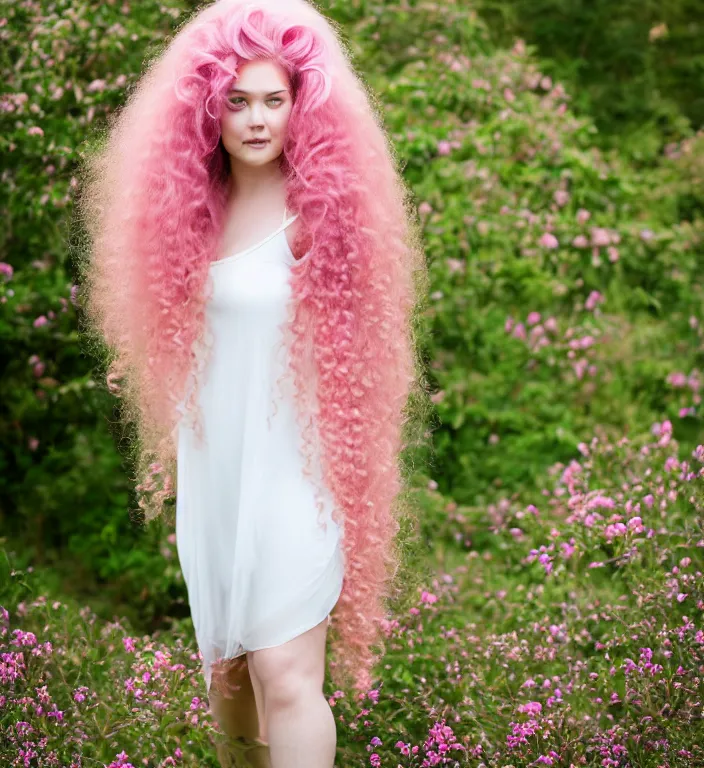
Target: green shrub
x=63, y=486
x=562, y=630
x=566, y=289
x=636, y=67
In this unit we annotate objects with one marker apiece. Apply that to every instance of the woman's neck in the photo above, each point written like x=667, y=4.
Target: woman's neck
x=251, y=185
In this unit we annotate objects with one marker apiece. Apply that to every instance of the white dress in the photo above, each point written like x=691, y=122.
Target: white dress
x=258, y=567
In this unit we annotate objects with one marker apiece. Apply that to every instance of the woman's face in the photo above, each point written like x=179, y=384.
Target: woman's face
x=257, y=106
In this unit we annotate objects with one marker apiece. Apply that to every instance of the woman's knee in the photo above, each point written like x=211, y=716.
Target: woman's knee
x=287, y=671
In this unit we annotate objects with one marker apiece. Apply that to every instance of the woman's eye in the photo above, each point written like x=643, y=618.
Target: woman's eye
x=239, y=99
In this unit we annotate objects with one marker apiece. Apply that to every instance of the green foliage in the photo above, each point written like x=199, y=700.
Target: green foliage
x=99, y=689
x=66, y=66
x=564, y=630
x=566, y=302
x=566, y=291
x=566, y=288
x=636, y=66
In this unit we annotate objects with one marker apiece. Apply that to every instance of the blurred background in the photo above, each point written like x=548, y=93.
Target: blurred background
x=556, y=154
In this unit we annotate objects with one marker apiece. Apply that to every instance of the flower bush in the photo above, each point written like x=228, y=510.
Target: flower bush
x=66, y=66
x=571, y=635
x=94, y=692
x=561, y=484
x=566, y=290
x=560, y=274
x=636, y=67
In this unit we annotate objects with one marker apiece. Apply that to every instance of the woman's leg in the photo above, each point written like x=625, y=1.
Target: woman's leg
x=259, y=698
x=300, y=726
x=233, y=701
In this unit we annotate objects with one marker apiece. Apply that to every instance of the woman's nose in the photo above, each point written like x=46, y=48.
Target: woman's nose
x=256, y=116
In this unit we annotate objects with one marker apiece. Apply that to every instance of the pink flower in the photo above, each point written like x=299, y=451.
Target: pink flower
x=405, y=749
x=579, y=368
x=35, y=130
x=600, y=237
x=580, y=242
x=593, y=299
x=444, y=148
x=6, y=269
x=583, y=216
x=549, y=240
x=677, y=379
x=23, y=638
x=551, y=325
x=562, y=197
x=635, y=524
x=509, y=95
x=531, y=707
x=40, y=321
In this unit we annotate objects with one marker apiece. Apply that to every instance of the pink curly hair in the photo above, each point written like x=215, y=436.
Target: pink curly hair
x=153, y=200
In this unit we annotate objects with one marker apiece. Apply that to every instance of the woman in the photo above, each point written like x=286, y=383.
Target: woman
x=216, y=269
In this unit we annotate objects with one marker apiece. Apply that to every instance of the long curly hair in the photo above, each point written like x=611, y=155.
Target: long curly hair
x=152, y=200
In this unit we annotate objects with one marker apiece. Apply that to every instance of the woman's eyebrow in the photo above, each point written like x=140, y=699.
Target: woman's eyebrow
x=249, y=93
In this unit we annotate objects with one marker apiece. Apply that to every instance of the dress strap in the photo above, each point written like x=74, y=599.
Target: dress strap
x=283, y=221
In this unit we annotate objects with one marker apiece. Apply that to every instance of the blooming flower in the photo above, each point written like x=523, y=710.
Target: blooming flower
x=548, y=240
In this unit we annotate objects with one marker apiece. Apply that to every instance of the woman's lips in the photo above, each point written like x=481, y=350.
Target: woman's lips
x=257, y=143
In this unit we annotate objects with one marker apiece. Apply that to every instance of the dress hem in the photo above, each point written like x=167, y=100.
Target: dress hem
x=296, y=634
